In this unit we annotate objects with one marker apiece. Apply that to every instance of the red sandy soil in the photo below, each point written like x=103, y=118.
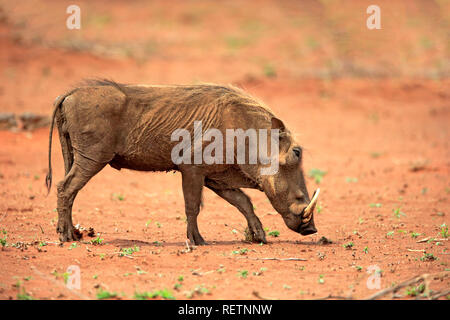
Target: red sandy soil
x=382, y=141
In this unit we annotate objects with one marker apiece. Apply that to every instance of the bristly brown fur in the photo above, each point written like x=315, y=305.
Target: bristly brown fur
x=228, y=94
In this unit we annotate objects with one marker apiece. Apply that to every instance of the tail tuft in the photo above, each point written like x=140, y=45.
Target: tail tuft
x=48, y=181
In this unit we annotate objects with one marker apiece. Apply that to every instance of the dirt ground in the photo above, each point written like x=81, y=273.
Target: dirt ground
x=371, y=108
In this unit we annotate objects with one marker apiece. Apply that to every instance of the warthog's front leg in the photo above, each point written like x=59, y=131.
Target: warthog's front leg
x=240, y=200
x=193, y=181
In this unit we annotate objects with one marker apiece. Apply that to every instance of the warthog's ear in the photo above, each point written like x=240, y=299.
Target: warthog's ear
x=278, y=124
x=285, y=141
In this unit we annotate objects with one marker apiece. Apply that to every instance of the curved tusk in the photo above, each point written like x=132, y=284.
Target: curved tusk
x=307, y=215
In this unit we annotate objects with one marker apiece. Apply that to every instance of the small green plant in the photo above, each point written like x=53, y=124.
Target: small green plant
x=177, y=286
x=444, y=230
x=221, y=269
x=260, y=272
x=241, y=252
x=415, y=235
x=348, y=245
x=128, y=251
x=164, y=294
x=375, y=154
x=269, y=71
x=103, y=294
x=398, y=213
x=415, y=290
x=428, y=257
x=73, y=246
x=159, y=225
x=390, y=233
x=3, y=241
x=243, y=273
x=23, y=295
x=118, y=196
x=375, y=205
x=317, y=175
x=321, y=279
x=97, y=241
x=274, y=233
x=64, y=275
x=318, y=208
x=351, y=180
x=198, y=290
x=179, y=283
x=358, y=268
x=366, y=250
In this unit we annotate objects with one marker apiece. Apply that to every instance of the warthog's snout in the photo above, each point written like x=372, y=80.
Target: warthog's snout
x=308, y=229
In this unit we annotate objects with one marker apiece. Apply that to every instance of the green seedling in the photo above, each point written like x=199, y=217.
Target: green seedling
x=317, y=175
x=118, y=196
x=398, y=214
x=128, y=251
x=415, y=235
x=241, y=252
x=97, y=241
x=243, y=273
x=103, y=294
x=348, y=245
x=321, y=279
x=164, y=294
x=3, y=241
x=444, y=230
x=415, y=290
x=428, y=257
x=274, y=233
x=269, y=71
x=64, y=275
x=260, y=272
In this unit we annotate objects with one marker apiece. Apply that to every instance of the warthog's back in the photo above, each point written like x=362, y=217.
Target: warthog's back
x=130, y=126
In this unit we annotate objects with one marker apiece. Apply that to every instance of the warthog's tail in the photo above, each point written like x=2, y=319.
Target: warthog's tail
x=58, y=102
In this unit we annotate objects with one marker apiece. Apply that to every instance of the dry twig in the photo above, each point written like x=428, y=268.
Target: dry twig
x=425, y=278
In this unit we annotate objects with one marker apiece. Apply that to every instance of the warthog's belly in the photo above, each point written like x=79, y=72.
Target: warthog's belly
x=144, y=163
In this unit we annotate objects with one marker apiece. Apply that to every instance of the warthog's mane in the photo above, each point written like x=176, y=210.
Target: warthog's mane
x=226, y=94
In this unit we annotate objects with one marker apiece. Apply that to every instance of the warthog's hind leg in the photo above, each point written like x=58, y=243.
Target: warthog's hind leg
x=68, y=188
x=193, y=182
x=242, y=202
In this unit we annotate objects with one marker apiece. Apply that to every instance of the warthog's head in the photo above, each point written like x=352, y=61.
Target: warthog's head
x=286, y=189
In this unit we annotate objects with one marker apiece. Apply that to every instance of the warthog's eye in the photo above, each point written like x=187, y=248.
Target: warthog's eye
x=297, y=151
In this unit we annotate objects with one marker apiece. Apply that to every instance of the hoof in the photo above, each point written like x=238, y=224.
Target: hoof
x=256, y=237
x=197, y=240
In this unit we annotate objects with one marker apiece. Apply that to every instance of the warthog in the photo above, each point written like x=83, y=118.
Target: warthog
x=130, y=126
